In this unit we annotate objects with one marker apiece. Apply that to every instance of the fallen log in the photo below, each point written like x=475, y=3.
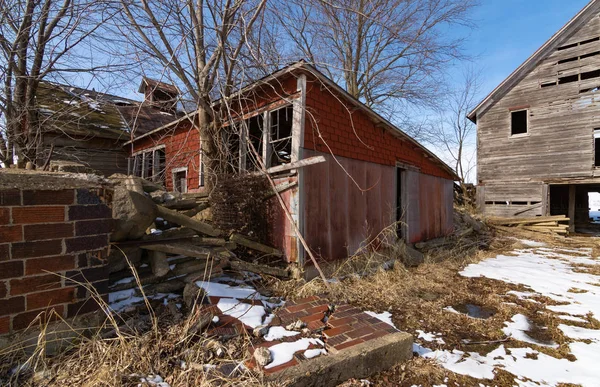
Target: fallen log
x=295, y=165
x=243, y=241
x=203, y=275
x=182, y=220
x=281, y=188
x=185, y=204
x=186, y=249
x=259, y=269
x=196, y=210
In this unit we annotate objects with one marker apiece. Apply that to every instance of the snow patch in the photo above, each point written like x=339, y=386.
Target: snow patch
x=284, y=352
x=386, y=317
x=278, y=333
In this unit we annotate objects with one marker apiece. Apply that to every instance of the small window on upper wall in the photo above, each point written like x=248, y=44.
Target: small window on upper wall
x=518, y=122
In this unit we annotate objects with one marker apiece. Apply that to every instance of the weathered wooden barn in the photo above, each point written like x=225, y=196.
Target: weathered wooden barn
x=538, y=133
x=90, y=128
x=373, y=176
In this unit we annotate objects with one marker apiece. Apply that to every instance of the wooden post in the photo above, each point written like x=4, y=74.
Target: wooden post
x=572, y=208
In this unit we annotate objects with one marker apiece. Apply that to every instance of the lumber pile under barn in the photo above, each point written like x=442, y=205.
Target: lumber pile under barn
x=558, y=224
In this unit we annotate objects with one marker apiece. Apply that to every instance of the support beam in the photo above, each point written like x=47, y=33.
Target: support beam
x=572, y=208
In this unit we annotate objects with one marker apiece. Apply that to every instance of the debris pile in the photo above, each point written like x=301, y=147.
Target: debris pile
x=171, y=243
x=542, y=224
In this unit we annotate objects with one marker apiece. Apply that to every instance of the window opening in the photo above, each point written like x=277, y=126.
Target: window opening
x=281, y=135
x=255, y=137
x=180, y=181
x=518, y=122
x=597, y=147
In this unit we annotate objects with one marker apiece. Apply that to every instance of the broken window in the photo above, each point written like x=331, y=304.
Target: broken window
x=597, y=147
x=137, y=165
x=281, y=135
x=160, y=164
x=518, y=123
x=254, y=127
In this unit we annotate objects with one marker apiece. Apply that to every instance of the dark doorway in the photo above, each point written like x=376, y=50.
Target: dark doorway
x=400, y=212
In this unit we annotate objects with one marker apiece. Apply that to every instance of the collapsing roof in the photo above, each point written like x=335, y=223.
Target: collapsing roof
x=584, y=16
x=86, y=113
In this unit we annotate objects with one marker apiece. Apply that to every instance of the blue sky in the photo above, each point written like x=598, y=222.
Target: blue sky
x=509, y=31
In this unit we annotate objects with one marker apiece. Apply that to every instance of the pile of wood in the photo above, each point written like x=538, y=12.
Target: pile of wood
x=558, y=224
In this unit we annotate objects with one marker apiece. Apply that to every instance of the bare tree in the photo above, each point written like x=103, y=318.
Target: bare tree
x=39, y=39
x=199, y=45
x=453, y=134
x=387, y=53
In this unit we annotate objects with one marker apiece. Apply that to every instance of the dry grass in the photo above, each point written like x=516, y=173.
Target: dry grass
x=156, y=340
x=416, y=297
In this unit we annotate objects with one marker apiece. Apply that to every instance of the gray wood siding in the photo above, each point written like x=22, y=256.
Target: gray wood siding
x=559, y=143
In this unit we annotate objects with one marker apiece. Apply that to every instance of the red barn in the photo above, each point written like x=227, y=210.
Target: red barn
x=374, y=174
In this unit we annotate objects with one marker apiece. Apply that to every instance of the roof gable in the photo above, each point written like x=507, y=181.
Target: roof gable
x=561, y=37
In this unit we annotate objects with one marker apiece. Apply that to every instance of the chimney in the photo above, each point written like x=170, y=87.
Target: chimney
x=162, y=96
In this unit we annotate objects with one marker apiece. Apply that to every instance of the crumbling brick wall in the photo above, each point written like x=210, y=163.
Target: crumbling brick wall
x=48, y=240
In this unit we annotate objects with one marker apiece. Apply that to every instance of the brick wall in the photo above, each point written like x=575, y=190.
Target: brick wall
x=48, y=240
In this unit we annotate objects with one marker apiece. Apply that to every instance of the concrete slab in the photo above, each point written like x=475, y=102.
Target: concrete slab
x=359, y=361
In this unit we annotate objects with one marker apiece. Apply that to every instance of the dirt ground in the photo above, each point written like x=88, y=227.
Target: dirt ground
x=417, y=298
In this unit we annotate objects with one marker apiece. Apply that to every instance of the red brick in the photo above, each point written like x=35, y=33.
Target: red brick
x=49, y=264
x=51, y=297
x=364, y=331
x=11, y=269
x=336, y=322
x=10, y=197
x=337, y=331
x=42, y=197
x=36, y=249
x=297, y=308
x=273, y=370
x=348, y=344
x=86, y=243
x=89, y=212
x=36, y=232
x=11, y=234
x=318, y=309
x=12, y=305
x=4, y=216
x=375, y=335
x=24, y=285
x=4, y=325
x=28, y=215
x=23, y=320
x=4, y=252
x=93, y=227
x=3, y=289
x=313, y=317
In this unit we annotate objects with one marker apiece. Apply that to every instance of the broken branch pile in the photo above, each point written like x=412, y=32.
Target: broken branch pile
x=542, y=224
x=178, y=245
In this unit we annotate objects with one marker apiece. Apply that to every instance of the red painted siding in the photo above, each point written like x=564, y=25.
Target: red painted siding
x=182, y=149
x=332, y=127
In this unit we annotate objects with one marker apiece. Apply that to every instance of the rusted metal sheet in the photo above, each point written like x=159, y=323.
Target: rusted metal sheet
x=341, y=214
x=281, y=231
x=348, y=202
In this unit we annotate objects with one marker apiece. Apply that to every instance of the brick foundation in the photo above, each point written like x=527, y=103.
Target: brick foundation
x=49, y=241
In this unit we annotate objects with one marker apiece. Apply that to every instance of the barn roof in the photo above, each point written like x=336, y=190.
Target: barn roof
x=79, y=112
x=579, y=20
x=302, y=66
